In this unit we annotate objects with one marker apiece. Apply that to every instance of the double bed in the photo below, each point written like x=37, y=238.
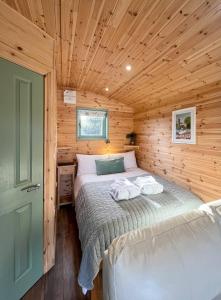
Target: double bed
x=101, y=219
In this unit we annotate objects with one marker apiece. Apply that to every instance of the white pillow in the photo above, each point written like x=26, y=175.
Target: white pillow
x=86, y=163
x=129, y=159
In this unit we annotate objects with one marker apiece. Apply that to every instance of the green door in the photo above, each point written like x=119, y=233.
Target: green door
x=21, y=179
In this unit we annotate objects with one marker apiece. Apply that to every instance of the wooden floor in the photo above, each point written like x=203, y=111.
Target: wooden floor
x=60, y=283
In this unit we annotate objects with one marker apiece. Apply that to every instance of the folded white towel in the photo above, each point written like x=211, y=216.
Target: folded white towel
x=118, y=191
x=123, y=189
x=145, y=179
x=148, y=185
x=133, y=190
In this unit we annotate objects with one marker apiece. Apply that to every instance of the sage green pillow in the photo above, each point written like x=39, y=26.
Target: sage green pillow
x=110, y=166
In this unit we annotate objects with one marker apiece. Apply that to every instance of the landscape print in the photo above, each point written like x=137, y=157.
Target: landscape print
x=184, y=126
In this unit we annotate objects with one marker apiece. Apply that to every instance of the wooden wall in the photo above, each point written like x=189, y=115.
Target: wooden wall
x=120, y=123
x=197, y=167
x=25, y=44
x=50, y=165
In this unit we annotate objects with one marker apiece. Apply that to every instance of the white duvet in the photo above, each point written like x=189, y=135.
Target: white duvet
x=177, y=259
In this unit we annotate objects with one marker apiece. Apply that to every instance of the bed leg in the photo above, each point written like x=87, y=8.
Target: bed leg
x=96, y=293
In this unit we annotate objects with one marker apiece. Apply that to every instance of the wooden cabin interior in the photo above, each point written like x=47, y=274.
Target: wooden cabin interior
x=110, y=130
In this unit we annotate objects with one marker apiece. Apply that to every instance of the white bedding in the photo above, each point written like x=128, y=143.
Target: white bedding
x=177, y=259
x=101, y=219
x=86, y=178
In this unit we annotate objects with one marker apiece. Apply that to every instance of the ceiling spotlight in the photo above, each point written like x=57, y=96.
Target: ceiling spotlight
x=128, y=67
x=107, y=89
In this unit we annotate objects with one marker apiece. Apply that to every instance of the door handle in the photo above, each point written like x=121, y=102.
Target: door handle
x=31, y=188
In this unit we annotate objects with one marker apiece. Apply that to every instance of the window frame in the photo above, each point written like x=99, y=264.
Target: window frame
x=92, y=138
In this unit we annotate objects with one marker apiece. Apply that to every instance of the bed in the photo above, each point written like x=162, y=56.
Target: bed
x=166, y=261
x=100, y=219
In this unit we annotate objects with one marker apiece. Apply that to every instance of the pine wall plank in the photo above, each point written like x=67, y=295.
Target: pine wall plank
x=197, y=167
x=120, y=123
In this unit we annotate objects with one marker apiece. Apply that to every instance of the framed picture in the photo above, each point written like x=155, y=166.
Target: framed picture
x=184, y=126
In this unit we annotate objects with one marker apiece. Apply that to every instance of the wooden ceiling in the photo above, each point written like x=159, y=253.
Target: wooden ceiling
x=174, y=46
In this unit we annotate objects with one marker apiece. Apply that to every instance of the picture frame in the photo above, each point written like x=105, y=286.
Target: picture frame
x=184, y=126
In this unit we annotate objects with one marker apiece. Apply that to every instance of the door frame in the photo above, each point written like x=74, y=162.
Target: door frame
x=21, y=52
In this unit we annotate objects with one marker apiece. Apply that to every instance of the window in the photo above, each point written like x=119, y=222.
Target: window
x=92, y=124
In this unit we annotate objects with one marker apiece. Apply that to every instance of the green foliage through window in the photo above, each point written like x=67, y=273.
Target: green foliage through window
x=92, y=124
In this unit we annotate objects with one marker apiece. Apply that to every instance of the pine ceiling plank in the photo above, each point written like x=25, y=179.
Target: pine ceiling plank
x=23, y=8
x=37, y=13
x=100, y=30
x=49, y=16
x=135, y=62
x=114, y=50
x=107, y=33
x=160, y=18
x=85, y=11
x=66, y=35
x=185, y=32
x=106, y=55
x=140, y=60
x=58, y=60
x=88, y=39
x=204, y=49
x=168, y=46
x=122, y=7
x=177, y=25
x=11, y=3
x=204, y=59
x=173, y=46
x=215, y=86
x=72, y=39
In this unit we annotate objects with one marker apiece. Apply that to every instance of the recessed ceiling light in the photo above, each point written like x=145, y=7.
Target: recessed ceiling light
x=107, y=89
x=128, y=67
